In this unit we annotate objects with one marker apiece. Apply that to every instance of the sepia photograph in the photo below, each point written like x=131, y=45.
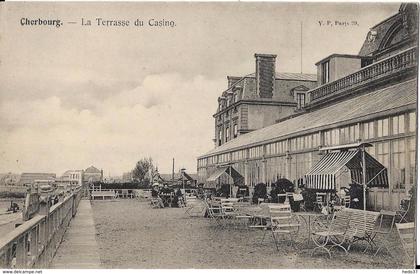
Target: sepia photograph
x=208, y=135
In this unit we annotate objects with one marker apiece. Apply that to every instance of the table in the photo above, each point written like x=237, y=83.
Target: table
x=306, y=216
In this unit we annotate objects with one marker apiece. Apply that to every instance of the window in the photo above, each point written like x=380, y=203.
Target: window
x=412, y=154
x=368, y=130
x=235, y=130
x=398, y=164
x=412, y=122
x=325, y=72
x=331, y=137
x=227, y=134
x=383, y=127
x=220, y=137
x=300, y=98
x=235, y=97
x=383, y=153
x=398, y=124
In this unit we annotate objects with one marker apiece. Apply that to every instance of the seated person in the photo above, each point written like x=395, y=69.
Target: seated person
x=155, y=195
x=178, y=198
x=165, y=193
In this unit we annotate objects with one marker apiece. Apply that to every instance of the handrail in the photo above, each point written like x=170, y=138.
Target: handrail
x=34, y=243
x=398, y=62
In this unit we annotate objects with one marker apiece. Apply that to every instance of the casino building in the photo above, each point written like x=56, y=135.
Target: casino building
x=370, y=97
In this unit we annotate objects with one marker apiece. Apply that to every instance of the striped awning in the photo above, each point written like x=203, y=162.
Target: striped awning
x=322, y=176
x=236, y=176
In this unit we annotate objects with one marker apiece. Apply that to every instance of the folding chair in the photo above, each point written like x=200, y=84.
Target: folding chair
x=215, y=214
x=346, y=200
x=406, y=232
x=404, y=208
x=282, y=222
x=240, y=215
x=227, y=210
x=155, y=202
x=194, y=207
x=385, y=233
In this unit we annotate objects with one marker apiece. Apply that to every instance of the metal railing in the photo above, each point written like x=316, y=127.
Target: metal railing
x=396, y=63
x=33, y=244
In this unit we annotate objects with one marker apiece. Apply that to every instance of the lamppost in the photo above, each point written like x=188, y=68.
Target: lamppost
x=183, y=179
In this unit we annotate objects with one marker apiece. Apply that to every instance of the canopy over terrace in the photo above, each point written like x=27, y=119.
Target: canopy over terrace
x=324, y=174
x=237, y=178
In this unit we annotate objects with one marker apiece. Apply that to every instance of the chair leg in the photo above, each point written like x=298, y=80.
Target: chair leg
x=262, y=240
x=275, y=240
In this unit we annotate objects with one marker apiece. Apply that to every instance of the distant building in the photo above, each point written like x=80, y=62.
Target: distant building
x=179, y=177
x=10, y=182
x=259, y=99
x=93, y=175
x=72, y=177
x=27, y=179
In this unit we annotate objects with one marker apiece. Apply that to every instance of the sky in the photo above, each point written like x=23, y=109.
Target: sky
x=75, y=96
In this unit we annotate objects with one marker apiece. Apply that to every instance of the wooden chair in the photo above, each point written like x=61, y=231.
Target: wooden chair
x=282, y=222
x=406, y=232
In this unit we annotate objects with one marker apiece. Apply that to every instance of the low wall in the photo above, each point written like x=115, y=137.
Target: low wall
x=33, y=244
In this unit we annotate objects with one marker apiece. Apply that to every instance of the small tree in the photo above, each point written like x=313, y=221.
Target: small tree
x=142, y=170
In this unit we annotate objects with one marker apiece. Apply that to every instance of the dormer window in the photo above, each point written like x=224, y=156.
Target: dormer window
x=300, y=98
x=325, y=72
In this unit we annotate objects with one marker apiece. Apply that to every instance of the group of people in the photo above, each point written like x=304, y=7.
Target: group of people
x=167, y=197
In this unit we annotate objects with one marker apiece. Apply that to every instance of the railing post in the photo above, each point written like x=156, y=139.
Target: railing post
x=21, y=252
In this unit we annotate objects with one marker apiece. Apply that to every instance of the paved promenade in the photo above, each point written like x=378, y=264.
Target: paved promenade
x=79, y=248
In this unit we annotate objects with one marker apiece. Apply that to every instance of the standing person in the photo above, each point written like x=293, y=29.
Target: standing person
x=178, y=199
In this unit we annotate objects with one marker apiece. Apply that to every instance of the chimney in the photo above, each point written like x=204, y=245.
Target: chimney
x=265, y=74
x=232, y=80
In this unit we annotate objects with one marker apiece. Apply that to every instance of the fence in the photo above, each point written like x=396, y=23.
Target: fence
x=101, y=193
x=33, y=244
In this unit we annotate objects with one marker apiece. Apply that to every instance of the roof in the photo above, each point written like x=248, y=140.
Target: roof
x=398, y=95
x=379, y=32
x=178, y=176
x=92, y=169
x=339, y=55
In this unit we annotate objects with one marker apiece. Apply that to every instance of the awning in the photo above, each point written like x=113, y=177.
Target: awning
x=236, y=176
x=323, y=175
x=187, y=177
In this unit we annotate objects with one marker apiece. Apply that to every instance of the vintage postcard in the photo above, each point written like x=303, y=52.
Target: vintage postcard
x=208, y=135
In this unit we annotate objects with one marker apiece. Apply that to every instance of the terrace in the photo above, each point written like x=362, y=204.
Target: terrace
x=383, y=70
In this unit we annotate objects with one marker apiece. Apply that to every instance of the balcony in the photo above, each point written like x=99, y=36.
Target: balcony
x=392, y=65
